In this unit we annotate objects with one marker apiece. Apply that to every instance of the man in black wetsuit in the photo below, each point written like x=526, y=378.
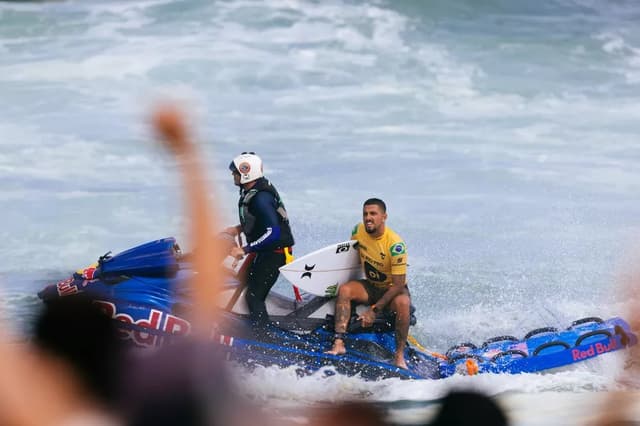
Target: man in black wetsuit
x=264, y=222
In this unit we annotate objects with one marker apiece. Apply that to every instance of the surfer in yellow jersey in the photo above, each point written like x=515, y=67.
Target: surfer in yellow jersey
x=383, y=255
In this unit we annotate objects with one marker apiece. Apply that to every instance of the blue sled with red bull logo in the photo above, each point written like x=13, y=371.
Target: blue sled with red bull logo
x=144, y=289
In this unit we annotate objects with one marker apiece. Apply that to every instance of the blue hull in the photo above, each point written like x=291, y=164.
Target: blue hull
x=144, y=290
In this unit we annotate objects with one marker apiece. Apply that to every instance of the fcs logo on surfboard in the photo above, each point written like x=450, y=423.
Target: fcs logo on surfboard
x=342, y=248
x=308, y=270
x=331, y=291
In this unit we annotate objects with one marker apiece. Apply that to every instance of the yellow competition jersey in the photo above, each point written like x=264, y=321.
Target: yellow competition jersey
x=381, y=257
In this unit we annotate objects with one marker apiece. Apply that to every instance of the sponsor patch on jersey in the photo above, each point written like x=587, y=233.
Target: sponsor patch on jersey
x=374, y=274
x=398, y=248
x=355, y=230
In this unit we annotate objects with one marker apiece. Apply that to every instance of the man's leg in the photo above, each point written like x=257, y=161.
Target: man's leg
x=348, y=292
x=401, y=305
x=261, y=277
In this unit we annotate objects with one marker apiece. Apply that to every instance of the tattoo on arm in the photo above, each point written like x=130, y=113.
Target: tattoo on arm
x=343, y=310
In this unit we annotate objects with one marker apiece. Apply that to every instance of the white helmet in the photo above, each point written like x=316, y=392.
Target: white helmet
x=249, y=165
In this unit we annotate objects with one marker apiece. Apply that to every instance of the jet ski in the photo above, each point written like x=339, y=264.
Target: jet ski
x=145, y=290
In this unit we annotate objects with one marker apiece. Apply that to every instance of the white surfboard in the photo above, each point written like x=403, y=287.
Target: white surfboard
x=322, y=271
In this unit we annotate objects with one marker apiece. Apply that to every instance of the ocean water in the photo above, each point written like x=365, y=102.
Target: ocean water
x=502, y=135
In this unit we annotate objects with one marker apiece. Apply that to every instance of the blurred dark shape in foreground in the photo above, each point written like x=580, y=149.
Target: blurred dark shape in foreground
x=181, y=384
x=462, y=408
x=349, y=413
x=75, y=330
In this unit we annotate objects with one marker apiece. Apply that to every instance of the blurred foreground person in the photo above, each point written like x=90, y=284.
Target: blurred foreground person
x=75, y=330
x=185, y=383
x=620, y=407
x=469, y=408
x=68, y=374
x=349, y=413
x=169, y=125
x=181, y=384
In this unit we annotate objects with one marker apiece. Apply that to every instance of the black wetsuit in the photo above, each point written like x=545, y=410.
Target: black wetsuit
x=264, y=222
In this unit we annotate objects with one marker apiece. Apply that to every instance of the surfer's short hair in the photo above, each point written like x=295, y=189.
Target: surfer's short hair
x=376, y=202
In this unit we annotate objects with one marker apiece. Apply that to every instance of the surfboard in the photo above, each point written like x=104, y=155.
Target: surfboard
x=322, y=271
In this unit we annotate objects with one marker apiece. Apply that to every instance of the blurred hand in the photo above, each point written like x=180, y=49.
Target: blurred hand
x=169, y=123
x=237, y=253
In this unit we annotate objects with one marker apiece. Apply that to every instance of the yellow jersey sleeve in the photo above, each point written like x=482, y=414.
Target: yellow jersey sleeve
x=398, y=251
x=354, y=232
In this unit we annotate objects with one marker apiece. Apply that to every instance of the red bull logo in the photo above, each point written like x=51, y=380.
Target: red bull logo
x=89, y=273
x=67, y=287
x=594, y=349
x=155, y=320
x=222, y=339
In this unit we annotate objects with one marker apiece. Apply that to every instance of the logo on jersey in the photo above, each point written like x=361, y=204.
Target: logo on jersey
x=398, y=249
x=374, y=274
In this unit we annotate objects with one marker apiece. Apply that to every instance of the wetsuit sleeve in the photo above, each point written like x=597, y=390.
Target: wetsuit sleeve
x=265, y=209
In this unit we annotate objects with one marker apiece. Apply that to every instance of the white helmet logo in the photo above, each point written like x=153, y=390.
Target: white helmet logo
x=244, y=168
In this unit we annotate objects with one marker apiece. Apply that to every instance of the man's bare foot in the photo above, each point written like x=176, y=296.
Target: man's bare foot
x=338, y=348
x=400, y=362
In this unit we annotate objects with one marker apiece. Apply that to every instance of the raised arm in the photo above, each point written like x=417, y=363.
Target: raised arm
x=170, y=126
